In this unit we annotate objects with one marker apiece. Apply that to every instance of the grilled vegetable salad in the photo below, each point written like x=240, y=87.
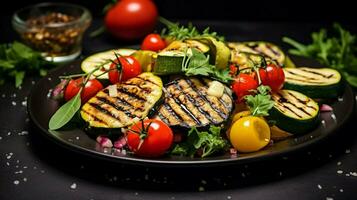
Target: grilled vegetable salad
x=196, y=96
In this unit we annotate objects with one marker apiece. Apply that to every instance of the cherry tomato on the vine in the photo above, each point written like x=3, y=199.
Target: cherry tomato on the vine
x=126, y=66
x=153, y=42
x=91, y=88
x=272, y=76
x=243, y=85
x=150, y=138
x=131, y=19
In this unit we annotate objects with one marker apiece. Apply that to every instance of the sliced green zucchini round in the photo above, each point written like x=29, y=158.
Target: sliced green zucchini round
x=294, y=112
x=103, y=59
x=266, y=49
x=314, y=82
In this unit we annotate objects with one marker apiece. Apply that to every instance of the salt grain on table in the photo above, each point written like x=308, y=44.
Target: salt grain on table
x=338, y=163
x=348, y=151
x=9, y=133
x=341, y=190
x=339, y=172
x=73, y=186
x=319, y=186
x=329, y=198
x=16, y=182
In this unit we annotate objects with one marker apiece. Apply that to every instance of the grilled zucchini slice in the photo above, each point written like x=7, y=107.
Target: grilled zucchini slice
x=268, y=50
x=103, y=59
x=187, y=104
x=294, y=112
x=314, y=82
x=134, y=99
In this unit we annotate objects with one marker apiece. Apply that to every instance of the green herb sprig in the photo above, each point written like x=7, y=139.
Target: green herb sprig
x=178, y=32
x=17, y=60
x=260, y=103
x=337, y=51
x=201, y=143
x=196, y=63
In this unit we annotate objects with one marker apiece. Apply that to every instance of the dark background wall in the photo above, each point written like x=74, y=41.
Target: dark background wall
x=243, y=10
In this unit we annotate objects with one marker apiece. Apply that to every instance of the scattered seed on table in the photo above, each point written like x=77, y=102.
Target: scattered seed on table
x=319, y=186
x=339, y=172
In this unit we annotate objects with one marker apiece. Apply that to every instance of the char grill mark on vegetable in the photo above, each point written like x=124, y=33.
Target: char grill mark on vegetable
x=187, y=104
x=292, y=104
x=317, y=73
x=132, y=102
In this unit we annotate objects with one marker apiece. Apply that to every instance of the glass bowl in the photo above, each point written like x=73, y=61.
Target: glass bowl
x=54, y=29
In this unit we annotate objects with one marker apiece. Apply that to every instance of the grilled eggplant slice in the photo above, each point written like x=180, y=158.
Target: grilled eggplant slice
x=187, y=104
x=133, y=101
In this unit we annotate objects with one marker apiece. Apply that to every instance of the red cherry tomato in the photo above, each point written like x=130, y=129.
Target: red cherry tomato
x=131, y=19
x=233, y=70
x=243, y=84
x=153, y=42
x=129, y=67
x=272, y=76
x=91, y=88
x=156, y=142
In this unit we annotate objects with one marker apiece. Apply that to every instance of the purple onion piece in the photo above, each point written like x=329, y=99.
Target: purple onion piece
x=325, y=108
x=104, y=142
x=120, y=143
x=58, y=91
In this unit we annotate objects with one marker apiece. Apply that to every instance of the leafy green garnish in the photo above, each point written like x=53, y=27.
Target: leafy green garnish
x=65, y=113
x=204, y=143
x=196, y=63
x=17, y=59
x=338, y=52
x=181, y=32
x=261, y=102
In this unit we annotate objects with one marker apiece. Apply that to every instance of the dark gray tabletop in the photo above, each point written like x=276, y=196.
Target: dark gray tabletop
x=31, y=167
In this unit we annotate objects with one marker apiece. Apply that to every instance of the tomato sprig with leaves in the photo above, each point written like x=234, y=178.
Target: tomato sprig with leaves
x=123, y=68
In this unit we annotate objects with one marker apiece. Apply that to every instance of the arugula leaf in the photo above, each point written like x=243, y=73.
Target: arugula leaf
x=261, y=103
x=338, y=52
x=17, y=59
x=205, y=143
x=196, y=63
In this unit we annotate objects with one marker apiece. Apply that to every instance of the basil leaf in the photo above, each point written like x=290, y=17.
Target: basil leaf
x=65, y=113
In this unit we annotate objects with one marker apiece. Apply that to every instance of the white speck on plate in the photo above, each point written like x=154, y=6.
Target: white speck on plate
x=24, y=103
x=353, y=173
x=24, y=179
x=339, y=172
x=333, y=116
x=339, y=163
x=323, y=123
x=23, y=133
x=229, y=197
x=340, y=99
x=136, y=193
x=341, y=190
x=14, y=95
x=9, y=133
x=73, y=186
x=42, y=171
x=0, y=137
x=3, y=95
x=77, y=138
x=348, y=151
x=329, y=198
x=7, y=163
x=203, y=182
x=319, y=186
x=33, y=82
x=347, y=174
x=16, y=182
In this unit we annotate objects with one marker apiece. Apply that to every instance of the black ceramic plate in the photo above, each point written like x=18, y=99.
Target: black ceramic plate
x=41, y=108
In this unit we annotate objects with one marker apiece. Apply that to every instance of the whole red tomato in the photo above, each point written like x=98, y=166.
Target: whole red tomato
x=150, y=138
x=91, y=88
x=272, y=76
x=127, y=66
x=153, y=42
x=131, y=19
x=243, y=85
